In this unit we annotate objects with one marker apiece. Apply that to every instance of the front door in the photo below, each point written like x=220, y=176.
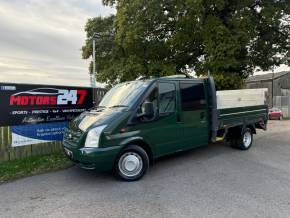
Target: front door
x=193, y=114
x=162, y=131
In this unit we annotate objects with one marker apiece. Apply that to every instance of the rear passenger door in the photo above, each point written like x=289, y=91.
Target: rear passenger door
x=193, y=114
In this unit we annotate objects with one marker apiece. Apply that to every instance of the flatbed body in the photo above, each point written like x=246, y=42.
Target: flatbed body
x=231, y=117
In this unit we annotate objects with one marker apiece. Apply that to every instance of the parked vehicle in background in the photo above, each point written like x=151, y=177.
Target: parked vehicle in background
x=275, y=113
x=139, y=121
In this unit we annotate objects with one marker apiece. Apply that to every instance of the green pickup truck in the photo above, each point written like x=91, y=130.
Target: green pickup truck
x=139, y=121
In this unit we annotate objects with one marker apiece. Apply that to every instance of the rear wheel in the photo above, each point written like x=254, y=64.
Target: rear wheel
x=132, y=163
x=244, y=141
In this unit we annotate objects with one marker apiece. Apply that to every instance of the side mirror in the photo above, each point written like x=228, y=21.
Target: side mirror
x=148, y=109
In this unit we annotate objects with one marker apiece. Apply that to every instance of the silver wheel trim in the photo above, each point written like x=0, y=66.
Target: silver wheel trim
x=247, y=139
x=130, y=164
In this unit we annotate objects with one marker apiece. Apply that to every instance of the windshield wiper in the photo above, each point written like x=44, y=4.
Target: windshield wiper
x=119, y=105
x=97, y=107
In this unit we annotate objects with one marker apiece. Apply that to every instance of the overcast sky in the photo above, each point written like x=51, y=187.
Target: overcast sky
x=40, y=40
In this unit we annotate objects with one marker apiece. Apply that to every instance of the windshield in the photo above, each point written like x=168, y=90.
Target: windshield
x=124, y=94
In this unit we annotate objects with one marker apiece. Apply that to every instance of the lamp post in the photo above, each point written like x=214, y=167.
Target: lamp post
x=95, y=36
x=273, y=76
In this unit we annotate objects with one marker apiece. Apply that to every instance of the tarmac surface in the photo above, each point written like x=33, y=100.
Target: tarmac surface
x=211, y=181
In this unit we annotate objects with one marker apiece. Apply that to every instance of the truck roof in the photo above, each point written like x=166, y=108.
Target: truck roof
x=176, y=78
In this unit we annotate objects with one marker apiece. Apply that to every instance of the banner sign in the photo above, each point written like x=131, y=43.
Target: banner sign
x=37, y=133
x=30, y=104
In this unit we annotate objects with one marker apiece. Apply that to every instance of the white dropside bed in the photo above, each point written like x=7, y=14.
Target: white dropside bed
x=241, y=98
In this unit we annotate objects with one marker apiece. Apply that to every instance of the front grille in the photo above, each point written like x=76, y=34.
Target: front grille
x=73, y=137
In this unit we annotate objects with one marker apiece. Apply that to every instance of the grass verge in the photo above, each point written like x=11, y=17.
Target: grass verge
x=15, y=169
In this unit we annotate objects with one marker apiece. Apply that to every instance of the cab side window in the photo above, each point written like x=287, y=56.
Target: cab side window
x=167, y=98
x=162, y=100
x=192, y=96
x=151, y=98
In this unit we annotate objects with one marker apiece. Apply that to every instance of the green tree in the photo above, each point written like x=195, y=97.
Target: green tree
x=229, y=38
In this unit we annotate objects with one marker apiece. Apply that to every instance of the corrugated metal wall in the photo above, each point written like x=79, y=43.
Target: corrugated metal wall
x=283, y=103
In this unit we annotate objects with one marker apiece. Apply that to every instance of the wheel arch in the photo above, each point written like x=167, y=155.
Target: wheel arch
x=139, y=142
x=252, y=128
x=236, y=131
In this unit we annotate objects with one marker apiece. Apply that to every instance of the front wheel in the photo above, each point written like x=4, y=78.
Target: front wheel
x=132, y=163
x=244, y=141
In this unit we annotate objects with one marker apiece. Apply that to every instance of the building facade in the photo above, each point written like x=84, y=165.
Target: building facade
x=278, y=85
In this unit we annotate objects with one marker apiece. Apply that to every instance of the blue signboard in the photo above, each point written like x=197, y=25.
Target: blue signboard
x=37, y=133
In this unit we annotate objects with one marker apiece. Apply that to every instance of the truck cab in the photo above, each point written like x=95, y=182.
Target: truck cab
x=141, y=120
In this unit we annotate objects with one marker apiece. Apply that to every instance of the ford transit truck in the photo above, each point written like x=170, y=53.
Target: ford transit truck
x=139, y=121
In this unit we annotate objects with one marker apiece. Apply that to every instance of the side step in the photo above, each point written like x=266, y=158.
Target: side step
x=221, y=135
x=219, y=139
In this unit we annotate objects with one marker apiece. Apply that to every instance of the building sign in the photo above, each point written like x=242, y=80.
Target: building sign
x=37, y=133
x=23, y=104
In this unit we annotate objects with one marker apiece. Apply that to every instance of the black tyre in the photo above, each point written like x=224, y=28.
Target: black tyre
x=244, y=141
x=131, y=164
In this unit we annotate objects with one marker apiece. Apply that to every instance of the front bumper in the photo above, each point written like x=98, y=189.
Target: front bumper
x=101, y=159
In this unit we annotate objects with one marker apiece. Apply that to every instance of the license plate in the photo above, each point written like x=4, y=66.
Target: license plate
x=68, y=152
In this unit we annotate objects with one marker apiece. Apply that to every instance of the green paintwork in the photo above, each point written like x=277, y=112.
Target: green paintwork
x=181, y=130
x=231, y=117
x=163, y=135
x=195, y=126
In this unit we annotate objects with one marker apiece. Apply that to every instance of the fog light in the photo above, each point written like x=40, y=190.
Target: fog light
x=68, y=152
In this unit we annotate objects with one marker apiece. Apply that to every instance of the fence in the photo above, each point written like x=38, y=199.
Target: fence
x=283, y=103
x=7, y=152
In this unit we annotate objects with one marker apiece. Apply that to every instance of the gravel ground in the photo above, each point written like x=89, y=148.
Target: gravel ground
x=212, y=181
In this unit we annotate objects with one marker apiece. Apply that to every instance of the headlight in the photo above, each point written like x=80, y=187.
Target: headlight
x=93, y=137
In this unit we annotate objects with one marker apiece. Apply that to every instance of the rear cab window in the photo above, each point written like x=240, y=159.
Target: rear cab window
x=192, y=96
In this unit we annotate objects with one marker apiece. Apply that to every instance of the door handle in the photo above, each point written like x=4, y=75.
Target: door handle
x=178, y=118
x=202, y=115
